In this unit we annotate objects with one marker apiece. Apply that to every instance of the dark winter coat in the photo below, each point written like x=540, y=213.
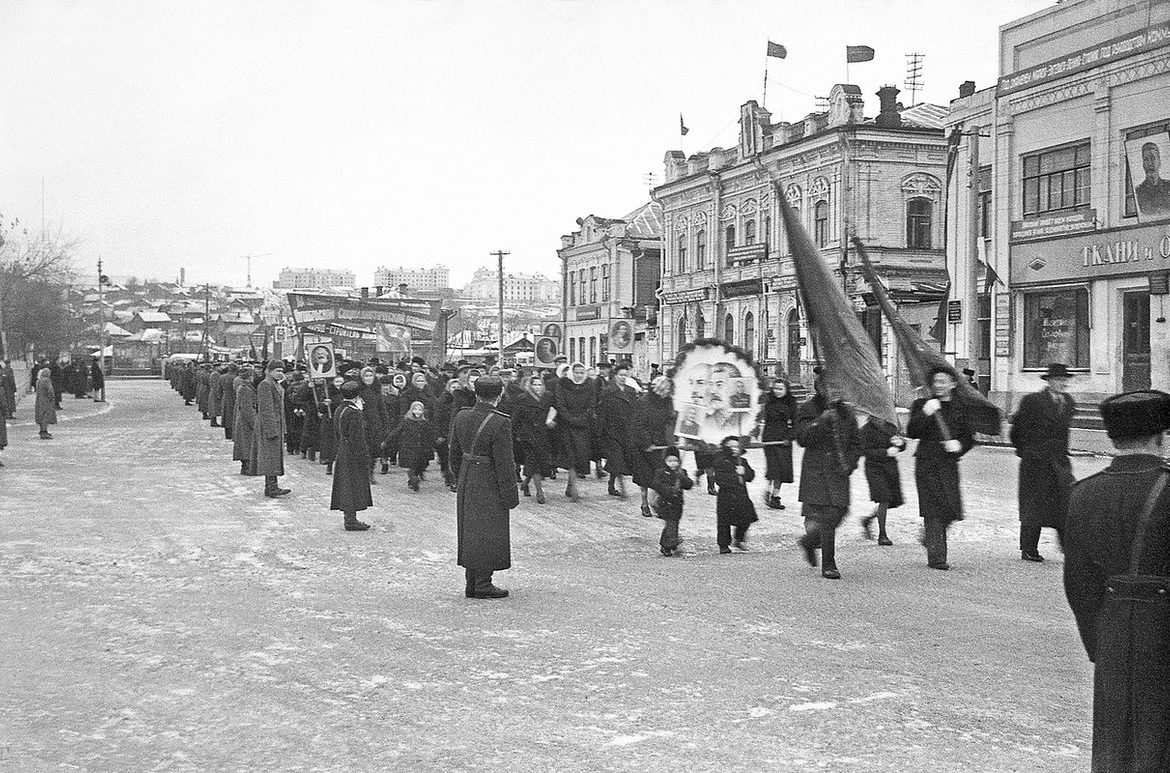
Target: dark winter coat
x=670, y=485
x=881, y=469
x=576, y=417
x=303, y=400
x=733, y=503
x=351, y=470
x=652, y=426
x=328, y=428
x=1040, y=431
x=215, y=394
x=244, y=426
x=486, y=488
x=615, y=413
x=45, y=409
x=268, y=437
x=779, y=417
x=8, y=388
x=425, y=396
x=202, y=387
x=1131, y=684
x=532, y=434
x=228, y=403
x=96, y=378
x=377, y=418
x=936, y=471
x=831, y=451
x=187, y=383
x=415, y=440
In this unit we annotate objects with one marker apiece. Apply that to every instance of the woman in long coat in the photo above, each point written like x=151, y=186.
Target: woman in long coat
x=651, y=432
x=574, y=404
x=45, y=410
x=244, y=420
x=98, y=380
x=530, y=424
x=377, y=420
x=615, y=411
x=443, y=416
x=944, y=432
x=880, y=446
x=778, y=420
x=351, y=471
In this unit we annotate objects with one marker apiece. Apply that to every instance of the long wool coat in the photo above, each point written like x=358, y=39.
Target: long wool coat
x=215, y=393
x=733, y=503
x=268, y=438
x=202, y=387
x=415, y=441
x=230, y=383
x=1040, y=431
x=779, y=417
x=351, y=470
x=481, y=449
x=831, y=451
x=532, y=434
x=881, y=469
x=328, y=428
x=652, y=426
x=45, y=411
x=936, y=471
x=377, y=419
x=244, y=424
x=669, y=485
x=575, y=405
x=615, y=411
x=1131, y=683
x=187, y=382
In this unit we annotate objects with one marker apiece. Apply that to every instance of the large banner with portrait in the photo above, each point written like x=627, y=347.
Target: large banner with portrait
x=716, y=392
x=545, y=352
x=1149, y=171
x=322, y=360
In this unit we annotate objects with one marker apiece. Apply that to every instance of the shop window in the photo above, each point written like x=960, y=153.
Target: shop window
x=821, y=223
x=701, y=249
x=1159, y=130
x=749, y=232
x=918, y=223
x=749, y=333
x=983, y=322
x=1056, y=328
x=682, y=254
x=1057, y=179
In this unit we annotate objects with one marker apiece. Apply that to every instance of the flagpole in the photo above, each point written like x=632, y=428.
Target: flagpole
x=765, y=100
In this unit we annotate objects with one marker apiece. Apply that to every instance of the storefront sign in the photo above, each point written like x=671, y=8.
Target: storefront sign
x=747, y=252
x=1003, y=325
x=1160, y=283
x=687, y=296
x=1094, y=56
x=1101, y=254
x=1061, y=224
x=741, y=288
x=954, y=311
x=588, y=312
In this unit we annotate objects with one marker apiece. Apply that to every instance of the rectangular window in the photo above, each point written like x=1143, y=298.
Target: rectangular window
x=983, y=203
x=572, y=291
x=581, y=284
x=983, y=320
x=1056, y=328
x=604, y=282
x=1057, y=179
x=593, y=284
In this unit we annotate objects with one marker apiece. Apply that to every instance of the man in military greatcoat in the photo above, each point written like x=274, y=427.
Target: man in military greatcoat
x=351, y=471
x=1039, y=432
x=215, y=394
x=481, y=450
x=1125, y=625
x=268, y=436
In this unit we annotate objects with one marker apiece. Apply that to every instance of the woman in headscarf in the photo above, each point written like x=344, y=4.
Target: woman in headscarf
x=778, y=421
x=45, y=411
x=374, y=410
x=530, y=422
x=652, y=432
x=574, y=404
x=444, y=412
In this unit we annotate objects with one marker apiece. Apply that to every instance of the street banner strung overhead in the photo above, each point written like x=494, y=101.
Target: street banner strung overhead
x=852, y=372
x=318, y=309
x=921, y=358
x=716, y=392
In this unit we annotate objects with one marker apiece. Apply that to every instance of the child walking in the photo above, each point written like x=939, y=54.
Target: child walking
x=670, y=481
x=881, y=447
x=415, y=438
x=733, y=505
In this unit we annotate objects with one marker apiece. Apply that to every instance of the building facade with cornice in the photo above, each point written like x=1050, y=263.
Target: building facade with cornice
x=1062, y=185
x=727, y=271
x=435, y=279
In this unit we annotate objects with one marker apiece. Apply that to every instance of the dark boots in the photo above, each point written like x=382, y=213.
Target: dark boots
x=479, y=586
x=328, y=468
x=412, y=482
x=312, y=454
x=273, y=490
x=244, y=467
x=353, y=524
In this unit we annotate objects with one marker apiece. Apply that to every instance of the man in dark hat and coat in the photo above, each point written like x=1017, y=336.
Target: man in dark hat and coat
x=1040, y=432
x=481, y=450
x=268, y=436
x=1125, y=624
x=351, y=469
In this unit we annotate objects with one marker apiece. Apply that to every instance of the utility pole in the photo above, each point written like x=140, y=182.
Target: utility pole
x=249, y=259
x=500, y=257
x=206, y=317
x=3, y=335
x=104, y=336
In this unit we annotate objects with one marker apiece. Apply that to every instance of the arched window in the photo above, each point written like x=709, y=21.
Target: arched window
x=729, y=237
x=749, y=333
x=682, y=254
x=682, y=331
x=701, y=249
x=918, y=225
x=749, y=232
x=729, y=330
x=821, y=223
x=700, y=325
x=793, y=363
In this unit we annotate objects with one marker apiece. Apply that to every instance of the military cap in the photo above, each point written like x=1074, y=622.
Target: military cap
x=350, y=389
x=1134, y=415
x=274, y=364
x=488, y=387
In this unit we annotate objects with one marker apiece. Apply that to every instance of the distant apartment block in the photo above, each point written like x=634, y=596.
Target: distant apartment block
x=313, y=278
x=434, y=279
x=535, y=288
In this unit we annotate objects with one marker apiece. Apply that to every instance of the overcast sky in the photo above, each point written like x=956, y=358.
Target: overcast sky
x=364, y=133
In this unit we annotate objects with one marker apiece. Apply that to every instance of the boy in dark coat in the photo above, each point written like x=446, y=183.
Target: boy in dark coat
x=733, y=504
x=415, y=438
x=351, y=471
x=670, y=481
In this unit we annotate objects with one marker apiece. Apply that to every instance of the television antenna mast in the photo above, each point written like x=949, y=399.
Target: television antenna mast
x=914, y=75
x=249, y=259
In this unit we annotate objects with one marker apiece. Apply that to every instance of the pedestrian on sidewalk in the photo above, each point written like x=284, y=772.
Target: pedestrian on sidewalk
x=202, y=387
x=415, y=437
x=45, y=410
x=229, y=385
x=7, y=390
x=98, y=380
x=670, y=481
x=944, y=432
x=776, y=423
x=881, y=445
x=1040, y=433
x=244, y=419
x=268, y=438
x=530, y=422
x=351, y=470
x=215, y=394
x=481, y=450
x=734, y=510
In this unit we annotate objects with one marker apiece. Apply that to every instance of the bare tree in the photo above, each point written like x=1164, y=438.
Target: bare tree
x=33, y=274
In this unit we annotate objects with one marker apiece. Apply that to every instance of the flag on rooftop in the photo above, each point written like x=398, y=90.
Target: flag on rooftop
x=682, y=127
x=777, y=50
x=858, y=53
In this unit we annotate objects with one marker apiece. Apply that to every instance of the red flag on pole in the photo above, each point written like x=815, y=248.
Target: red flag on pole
x=682, y=127
x=938, y=331
x=858, y=54
x=777, y=50
x=920, y=357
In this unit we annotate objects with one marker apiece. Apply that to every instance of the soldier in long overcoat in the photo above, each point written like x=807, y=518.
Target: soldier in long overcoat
x=481, y=449
x=227, y=403
x=1040, y=431
x=1126, y=634
x=244, y=420
x=187, y=382
x=944, y=433
x=202, y=387
x=215, y=394
x=45, y=408
x=268, y=438
x=351, y=468
x=652, y=433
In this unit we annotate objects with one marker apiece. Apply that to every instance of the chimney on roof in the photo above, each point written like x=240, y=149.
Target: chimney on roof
x=377, y=291
x=402, y=288
x=966, y=89
x=888, y=117
x=365, y=292
x=182, y=277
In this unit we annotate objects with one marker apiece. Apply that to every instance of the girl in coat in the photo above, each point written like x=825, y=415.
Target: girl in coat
x=733, y=505
x=415, y=438
x=45, y=410
x=778, y=422
x=880, y=446
x=530, y=422
x=575, y=417
x=670, y=481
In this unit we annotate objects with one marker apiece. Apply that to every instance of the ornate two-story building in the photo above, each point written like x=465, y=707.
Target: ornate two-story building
x=727, y=271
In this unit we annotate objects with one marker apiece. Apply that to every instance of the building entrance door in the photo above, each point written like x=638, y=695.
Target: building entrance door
x=1135, y=341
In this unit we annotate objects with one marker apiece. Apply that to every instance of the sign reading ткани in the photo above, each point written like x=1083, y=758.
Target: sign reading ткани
x=1117, y=252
